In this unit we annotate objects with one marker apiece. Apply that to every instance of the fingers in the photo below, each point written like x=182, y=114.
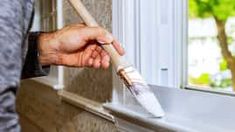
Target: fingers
x=97, y=62
x=101, y=58
x=102, y=36
x=105, y=59
x=90, y=62
x=96, y=58
x=92, y=54
x=118, y=47
x=96, y=33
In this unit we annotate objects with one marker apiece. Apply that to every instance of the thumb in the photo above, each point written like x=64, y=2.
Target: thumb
x=102, y=36
x=97, y=33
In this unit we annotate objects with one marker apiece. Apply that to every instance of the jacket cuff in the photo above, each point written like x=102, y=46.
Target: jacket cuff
x=32, y=67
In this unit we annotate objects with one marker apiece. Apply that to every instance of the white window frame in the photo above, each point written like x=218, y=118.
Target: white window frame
x=177, y=66
x=127, y=29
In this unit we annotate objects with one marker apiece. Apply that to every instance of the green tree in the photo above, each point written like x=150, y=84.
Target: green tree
x=220, y=10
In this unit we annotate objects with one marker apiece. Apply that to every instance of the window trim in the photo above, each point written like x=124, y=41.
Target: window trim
x=180, y=38
x=56, y=81
x=120, y=23
x=214, y=91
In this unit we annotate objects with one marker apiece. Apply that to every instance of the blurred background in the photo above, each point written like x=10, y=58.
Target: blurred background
x=211, y=44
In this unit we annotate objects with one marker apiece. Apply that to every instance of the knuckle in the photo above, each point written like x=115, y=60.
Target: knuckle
x=101, y=31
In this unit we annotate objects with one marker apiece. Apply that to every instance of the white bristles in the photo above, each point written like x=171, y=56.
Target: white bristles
x=142, y=92
x=150, y=103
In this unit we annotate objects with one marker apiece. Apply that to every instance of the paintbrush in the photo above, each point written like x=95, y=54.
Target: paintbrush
x=131, y=77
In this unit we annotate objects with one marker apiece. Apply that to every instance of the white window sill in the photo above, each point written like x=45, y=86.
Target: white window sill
x=186, y=110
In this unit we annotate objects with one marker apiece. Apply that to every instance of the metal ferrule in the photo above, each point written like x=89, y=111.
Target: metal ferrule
x=130, y=75
x=123, y=75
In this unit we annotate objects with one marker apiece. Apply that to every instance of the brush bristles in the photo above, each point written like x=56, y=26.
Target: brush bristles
x=140, y=89
x=147, y=99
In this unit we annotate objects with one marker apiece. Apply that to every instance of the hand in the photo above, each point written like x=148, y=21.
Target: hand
x=77, y=46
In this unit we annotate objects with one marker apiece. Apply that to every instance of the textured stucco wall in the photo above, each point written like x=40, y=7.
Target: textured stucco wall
x=91, y=83
x=41, y=109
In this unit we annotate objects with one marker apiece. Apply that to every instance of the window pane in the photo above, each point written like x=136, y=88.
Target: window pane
x=211, y=45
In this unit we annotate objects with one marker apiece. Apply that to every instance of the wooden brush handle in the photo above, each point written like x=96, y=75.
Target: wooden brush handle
x=90, y=21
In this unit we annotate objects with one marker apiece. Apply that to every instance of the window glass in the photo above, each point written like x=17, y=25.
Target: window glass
x=211, y=45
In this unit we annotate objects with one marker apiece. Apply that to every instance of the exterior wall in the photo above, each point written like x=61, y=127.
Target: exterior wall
x=91, y=83
x=41, y=109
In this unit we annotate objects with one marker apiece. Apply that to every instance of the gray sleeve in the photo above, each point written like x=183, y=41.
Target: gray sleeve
x=32, y=67
x=11, y=38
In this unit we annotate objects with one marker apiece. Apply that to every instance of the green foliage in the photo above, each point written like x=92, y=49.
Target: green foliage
x=229, y=40
x=223, y=65
x=203, y=79
x=224, y=83
x=220, y=9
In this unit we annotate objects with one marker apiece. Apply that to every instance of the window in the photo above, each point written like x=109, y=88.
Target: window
x=172, y=45
x=152, y=35
x=148, y=35
x=211, y=45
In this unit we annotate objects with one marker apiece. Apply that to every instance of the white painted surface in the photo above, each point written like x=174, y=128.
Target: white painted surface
x=152, y=34
x=60, y=24
x=186, y=110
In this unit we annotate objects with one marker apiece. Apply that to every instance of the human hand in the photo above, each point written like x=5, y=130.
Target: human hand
x=77, y=46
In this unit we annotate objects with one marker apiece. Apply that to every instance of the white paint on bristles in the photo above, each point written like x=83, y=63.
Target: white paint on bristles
x=141, y=91
x=150, y=103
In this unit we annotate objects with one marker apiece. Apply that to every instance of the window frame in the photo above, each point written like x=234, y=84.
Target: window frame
x=121, y=30
x=178, y=64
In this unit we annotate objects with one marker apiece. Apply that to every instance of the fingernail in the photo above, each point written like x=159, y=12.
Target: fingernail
x=108, y=38
x=101, y=42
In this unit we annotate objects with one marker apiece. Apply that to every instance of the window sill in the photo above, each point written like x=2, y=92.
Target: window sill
x=216, y=91
x=85, y=104
x=186, y=110
x=48, y=81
